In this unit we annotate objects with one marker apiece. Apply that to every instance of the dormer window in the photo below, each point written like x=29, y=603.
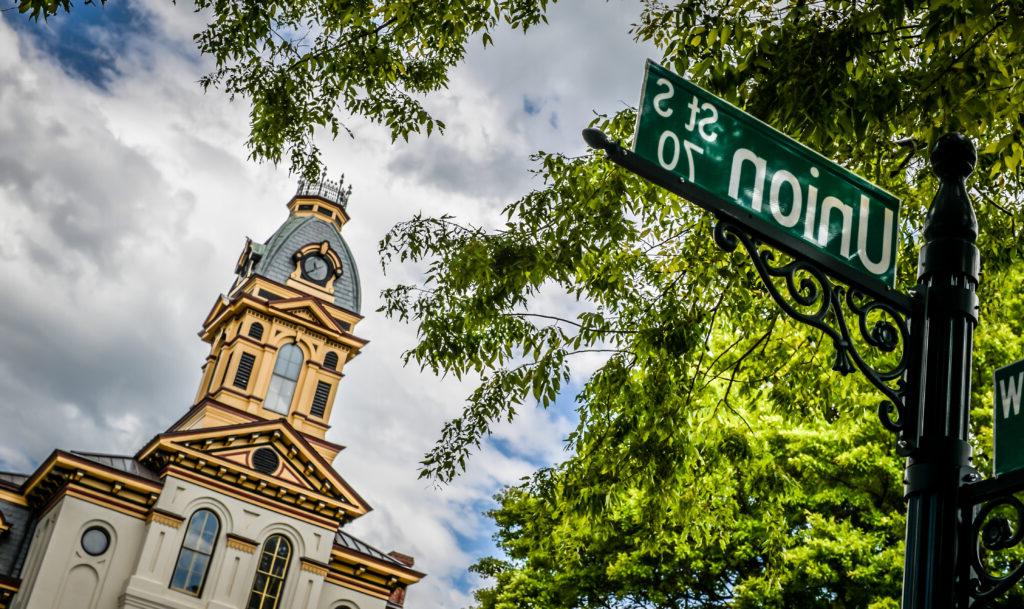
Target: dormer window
x=284, y=379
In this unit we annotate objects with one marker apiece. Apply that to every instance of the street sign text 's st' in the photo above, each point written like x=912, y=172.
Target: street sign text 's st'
x=759, y=175
x=1008, y=425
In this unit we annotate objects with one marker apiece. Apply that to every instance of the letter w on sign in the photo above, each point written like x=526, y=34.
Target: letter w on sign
x=1008, y=423
x=767, y=181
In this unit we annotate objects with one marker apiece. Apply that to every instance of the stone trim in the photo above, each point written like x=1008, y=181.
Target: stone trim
x=242, y=544
x=314, y=566
x=165, y=518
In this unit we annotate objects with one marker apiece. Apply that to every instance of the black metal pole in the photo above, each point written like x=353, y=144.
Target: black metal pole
x=944, y=320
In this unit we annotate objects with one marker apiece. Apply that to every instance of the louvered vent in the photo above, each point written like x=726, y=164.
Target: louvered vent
x=320, y=399
x=265, y=460
x=244, y=370
x=256, y=330
x=331, y=361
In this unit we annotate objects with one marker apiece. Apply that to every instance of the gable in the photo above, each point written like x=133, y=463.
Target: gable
x=265, y=460
x=271, y=459
x=308, y=309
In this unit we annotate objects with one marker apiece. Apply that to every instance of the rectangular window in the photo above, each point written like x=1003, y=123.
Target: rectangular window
x=323, y=390
x=244, y=370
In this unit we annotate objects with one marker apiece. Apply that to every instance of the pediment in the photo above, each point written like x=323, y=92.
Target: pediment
x=218, y=308
x=269, y=457
x=308, y=309
x=274, y=459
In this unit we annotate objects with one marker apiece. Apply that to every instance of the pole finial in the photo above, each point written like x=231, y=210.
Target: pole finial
x=596, y=139
x=953, y=157
x=951, y=216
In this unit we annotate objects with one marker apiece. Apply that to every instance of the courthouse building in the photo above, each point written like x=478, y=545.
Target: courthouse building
x=235, y=505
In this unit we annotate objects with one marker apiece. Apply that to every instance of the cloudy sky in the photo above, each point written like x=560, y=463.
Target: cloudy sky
x=126, y=196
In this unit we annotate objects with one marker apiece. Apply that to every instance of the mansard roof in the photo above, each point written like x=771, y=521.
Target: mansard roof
x=276, y=262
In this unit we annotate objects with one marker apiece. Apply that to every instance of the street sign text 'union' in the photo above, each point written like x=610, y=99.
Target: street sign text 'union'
x=761, y=172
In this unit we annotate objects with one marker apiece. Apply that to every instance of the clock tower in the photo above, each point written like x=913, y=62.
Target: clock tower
x=237, y=504
x=281, y=337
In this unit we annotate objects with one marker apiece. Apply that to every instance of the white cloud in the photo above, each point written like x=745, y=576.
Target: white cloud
x=123, y=208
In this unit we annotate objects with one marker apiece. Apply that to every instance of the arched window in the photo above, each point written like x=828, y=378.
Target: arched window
x=331, y=360
x=270, y=573
x=282, y=383
x=256, y=330
x=196, y=551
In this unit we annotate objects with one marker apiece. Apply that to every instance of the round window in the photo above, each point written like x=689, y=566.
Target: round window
x=95, y=541
x=265, y=460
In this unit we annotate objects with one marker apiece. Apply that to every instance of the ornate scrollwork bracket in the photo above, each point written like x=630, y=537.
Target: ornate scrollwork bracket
x=806, y=292
x=992, y=528
x=813, y=292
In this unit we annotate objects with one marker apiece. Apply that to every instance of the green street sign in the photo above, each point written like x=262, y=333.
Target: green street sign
x=1008, y=426
x=766, y=180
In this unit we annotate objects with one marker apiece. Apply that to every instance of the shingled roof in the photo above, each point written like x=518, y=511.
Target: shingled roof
x=353, y=543
x=123, y=463
x=14, y=542
x=276, y=261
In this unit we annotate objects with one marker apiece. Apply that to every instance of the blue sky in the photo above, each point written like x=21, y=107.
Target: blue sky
x=126, y=196
x=86, y=41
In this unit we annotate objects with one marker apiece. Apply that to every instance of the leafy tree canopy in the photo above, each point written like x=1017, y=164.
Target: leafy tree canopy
x=302, y=63
x=717, y=460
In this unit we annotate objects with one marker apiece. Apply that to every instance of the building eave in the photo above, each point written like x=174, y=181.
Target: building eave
x=403, y=574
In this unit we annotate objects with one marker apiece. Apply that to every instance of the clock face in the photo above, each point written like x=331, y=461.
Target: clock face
x=315, y=267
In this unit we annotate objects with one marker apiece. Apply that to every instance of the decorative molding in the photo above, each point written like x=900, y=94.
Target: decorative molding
x=326, y=494
x=165, y=518
x=314, y=566
x=242, y=544
x=361, y=563
x=345, y=580
x=104, y=500
x=68, y=475
x=8, y=588
x=13, y=497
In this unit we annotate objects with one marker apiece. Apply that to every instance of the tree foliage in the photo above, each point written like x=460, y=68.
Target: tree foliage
x=717, y=460
x=304, y=64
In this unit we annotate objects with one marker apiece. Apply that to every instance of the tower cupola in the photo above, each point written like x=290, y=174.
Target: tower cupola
x=281, y=336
